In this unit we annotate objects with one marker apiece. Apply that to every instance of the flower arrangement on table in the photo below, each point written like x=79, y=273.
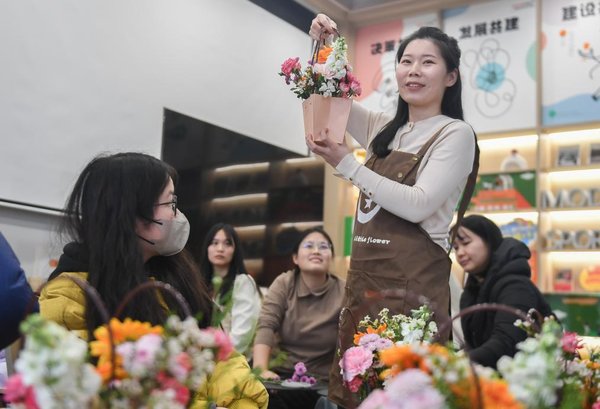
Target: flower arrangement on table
x=550, y=369
x=326, y=86
x=301, y=375
x=154, y=366
x=361, y=367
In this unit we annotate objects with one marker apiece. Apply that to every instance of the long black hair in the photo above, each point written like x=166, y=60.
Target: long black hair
x=237, y=261
x=301, y=238
x=112, y=194
x=451, y=102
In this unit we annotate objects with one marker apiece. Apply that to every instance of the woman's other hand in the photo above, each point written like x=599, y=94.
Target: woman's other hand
x=321, y=27
x=332, y=152
x=266, y=374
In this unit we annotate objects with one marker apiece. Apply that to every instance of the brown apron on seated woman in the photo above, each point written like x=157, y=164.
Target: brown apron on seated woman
x=389, y=253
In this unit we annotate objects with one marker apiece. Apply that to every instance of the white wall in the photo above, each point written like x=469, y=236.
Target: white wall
x=82, y=77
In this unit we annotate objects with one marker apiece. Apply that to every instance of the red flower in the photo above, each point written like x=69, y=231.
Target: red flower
x=355, y=384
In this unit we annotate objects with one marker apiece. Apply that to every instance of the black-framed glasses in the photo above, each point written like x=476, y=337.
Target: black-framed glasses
x=173, y=204
x=322, y=246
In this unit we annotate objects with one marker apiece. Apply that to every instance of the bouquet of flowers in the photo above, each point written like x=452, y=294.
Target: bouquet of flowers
x=553, y=370
x=152, y=366
x=329, y=75
x=52, y=370
x=325, y=85
x=550, y=369
x=300, y=375
x=361, y=368
x=156, y=366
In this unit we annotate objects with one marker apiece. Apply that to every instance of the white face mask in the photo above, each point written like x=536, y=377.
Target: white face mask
x=175, y=233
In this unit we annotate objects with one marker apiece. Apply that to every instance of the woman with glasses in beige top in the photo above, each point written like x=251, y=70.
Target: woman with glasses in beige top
x=301, y=311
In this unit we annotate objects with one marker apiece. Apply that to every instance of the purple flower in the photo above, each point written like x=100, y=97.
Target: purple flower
x=300, y=369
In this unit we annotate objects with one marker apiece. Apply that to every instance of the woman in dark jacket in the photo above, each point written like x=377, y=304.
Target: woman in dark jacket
x=499, y=273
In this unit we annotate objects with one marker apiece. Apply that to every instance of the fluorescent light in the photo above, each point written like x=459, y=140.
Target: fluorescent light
x=309, y=159
x=571, y=257
x=243, y=167
x=565, y=215
x=253, y=197
x=576, y=136
x=509, y=142
x=579, y=174
x=301, y=225
x=251, y=229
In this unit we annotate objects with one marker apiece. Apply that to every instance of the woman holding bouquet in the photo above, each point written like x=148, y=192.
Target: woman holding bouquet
x=236, y=295
x=417, y=168
x=126, y=230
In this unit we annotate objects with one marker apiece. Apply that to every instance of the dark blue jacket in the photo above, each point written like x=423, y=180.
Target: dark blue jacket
x=15, y=294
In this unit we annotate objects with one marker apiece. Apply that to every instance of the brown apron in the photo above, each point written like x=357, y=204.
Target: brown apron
x=389, y=252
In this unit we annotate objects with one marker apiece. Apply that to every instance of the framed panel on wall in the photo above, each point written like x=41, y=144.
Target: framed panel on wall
x=376, y=48
x=570, y=62
x=498, y=63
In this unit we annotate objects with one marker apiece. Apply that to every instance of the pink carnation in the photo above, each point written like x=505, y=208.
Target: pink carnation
x=18, y=392
x=596, y=405
x=182, y=394
x=356, y=361
x=223, y=343
x=289, y=65
x=569, y=342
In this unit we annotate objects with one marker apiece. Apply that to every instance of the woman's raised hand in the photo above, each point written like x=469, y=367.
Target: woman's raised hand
x=321, y=27
x=332, y=152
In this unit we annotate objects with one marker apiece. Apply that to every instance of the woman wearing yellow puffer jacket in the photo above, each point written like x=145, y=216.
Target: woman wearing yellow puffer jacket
x=122, y=216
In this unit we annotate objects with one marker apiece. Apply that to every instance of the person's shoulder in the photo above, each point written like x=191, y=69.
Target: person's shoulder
x=339, y=281
x=66, y=284
x=457, y=126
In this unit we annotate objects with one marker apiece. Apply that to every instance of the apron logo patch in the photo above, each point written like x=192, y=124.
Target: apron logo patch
x=366, y=203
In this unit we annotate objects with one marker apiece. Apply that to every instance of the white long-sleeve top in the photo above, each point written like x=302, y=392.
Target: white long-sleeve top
x=241, y=322
x=441, y=176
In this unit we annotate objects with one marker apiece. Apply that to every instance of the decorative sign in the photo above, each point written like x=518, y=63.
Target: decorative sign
x=570, y=61
x=375, y=67
x=504, y=191
x=589, y=278
x=498, y=63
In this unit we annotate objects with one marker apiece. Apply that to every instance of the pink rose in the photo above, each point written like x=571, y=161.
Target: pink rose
x=596, y=405
x=356, y=361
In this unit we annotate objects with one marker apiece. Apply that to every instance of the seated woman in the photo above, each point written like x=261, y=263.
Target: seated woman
x=301, y=310
x=125, y=228
x=237, y=296
x=499, y=273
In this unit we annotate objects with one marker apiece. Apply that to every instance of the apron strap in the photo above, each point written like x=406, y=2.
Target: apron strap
x=467, y=194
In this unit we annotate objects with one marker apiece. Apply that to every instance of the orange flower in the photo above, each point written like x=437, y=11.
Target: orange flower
x=323, y=54
x=496, y=395
x=128, y=330
x=379, y=330
x=402, y=357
